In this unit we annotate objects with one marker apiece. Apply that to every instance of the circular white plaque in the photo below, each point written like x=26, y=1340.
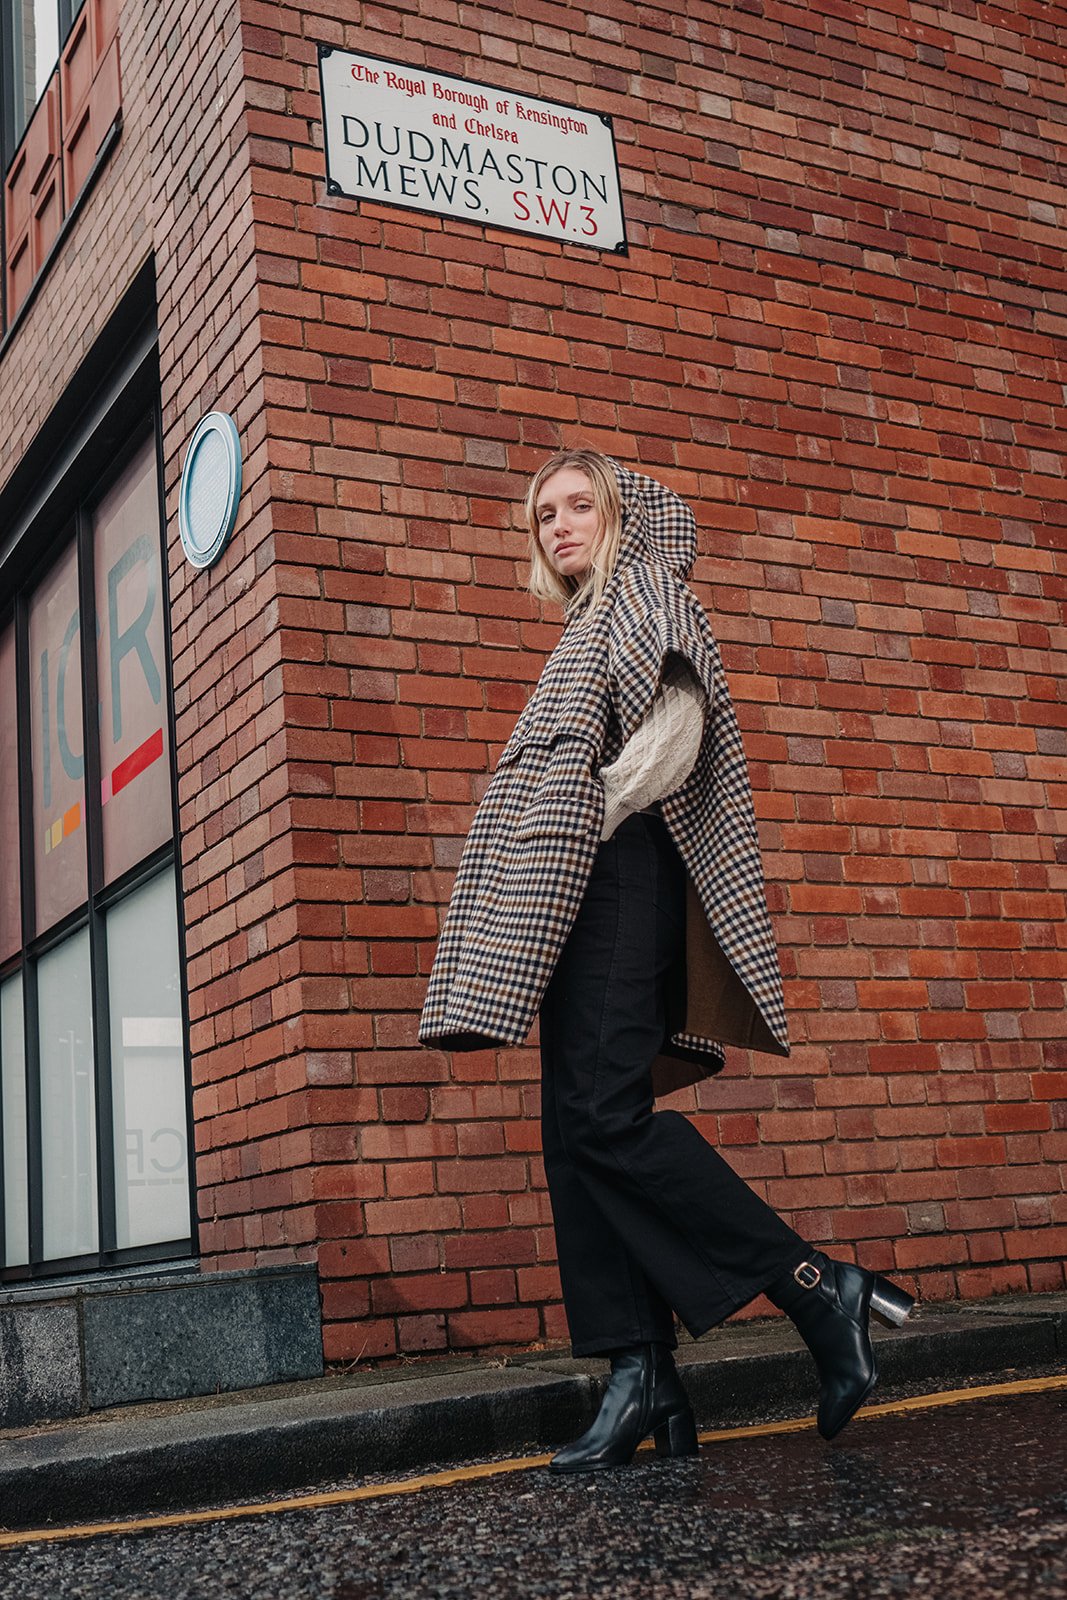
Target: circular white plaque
x=210, y=489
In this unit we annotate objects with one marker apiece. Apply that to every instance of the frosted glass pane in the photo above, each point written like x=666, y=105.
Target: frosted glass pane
x=10, y=922
x=57, y=745
x=148, y=1067
x=134, y=753
x=45, y=40
x=68, y=1100
x=34, y=52
x=13, y=1095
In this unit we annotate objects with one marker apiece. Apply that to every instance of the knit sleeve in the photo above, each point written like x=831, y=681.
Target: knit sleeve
x=660, y=754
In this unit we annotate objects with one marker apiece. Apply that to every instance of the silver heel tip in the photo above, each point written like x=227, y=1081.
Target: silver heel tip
x=890, y=1304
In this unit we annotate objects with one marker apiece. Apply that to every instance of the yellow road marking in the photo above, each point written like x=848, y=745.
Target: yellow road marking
x=494, y=1469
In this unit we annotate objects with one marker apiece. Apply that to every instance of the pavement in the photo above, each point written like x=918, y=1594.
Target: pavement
x=264, y=1442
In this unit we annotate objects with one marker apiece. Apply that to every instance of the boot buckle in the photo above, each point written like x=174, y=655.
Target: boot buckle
x=807, y=1275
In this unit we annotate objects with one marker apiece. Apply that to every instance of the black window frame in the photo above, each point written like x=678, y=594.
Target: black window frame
x=77, y=527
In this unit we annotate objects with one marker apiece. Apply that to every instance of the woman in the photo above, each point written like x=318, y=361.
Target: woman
x=612, y=882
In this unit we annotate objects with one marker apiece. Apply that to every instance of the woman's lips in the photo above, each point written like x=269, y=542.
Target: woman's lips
x=562, y=549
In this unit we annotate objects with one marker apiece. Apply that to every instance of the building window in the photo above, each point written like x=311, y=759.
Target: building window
x=94, y=1125
x=34, y=31
x=61, y=112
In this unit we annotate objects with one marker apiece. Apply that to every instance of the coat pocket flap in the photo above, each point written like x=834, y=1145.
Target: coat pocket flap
x=573, y=812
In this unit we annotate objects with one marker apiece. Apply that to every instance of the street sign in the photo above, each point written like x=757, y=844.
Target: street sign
x=459, y=148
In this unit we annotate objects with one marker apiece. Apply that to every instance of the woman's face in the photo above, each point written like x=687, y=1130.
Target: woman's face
x=567, y=522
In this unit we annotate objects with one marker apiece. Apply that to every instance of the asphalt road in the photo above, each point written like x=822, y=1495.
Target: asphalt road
x=952, y=1503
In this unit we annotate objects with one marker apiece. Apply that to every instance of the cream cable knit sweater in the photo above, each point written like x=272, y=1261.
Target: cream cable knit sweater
x=660, y=754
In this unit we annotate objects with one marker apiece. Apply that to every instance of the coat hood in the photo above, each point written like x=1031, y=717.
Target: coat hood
x=657, y=525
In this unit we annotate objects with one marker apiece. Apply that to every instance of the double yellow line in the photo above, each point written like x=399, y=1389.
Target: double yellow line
x=495, y=1469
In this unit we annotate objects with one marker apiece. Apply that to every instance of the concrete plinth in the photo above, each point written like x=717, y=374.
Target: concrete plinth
x=68, y=1349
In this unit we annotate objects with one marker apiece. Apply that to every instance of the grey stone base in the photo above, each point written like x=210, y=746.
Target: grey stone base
x=66, y=1350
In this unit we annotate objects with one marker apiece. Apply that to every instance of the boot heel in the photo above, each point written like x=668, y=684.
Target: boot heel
x=889, y=1303
x=677, y=1436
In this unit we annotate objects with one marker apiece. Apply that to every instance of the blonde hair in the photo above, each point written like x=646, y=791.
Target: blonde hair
x=545, y=583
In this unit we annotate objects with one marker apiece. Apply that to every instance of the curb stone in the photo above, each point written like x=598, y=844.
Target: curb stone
x=186, y=1455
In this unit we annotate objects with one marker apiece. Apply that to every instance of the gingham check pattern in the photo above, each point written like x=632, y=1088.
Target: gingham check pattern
x=531, y=847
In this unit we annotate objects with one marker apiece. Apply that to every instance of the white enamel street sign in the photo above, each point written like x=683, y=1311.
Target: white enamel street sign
x=405, y=137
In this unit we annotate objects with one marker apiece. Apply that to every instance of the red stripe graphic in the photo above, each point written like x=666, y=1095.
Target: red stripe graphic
x=137, y=761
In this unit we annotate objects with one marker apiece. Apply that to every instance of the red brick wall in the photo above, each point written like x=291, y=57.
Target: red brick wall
x=250, y=1101
x=839, y=333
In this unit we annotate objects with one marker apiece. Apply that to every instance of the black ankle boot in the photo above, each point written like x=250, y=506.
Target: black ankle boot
x=644, y=1395
x=831, y=1303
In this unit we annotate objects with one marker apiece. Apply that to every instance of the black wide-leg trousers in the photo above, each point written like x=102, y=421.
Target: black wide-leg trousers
x=649, y=1218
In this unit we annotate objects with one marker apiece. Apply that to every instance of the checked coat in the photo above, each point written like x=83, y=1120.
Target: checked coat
x=530, y=850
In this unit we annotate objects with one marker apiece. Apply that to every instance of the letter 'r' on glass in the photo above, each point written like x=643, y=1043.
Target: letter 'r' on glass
x=134, y=747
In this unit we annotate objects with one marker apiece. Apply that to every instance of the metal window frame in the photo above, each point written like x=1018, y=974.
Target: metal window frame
x=76, y=524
